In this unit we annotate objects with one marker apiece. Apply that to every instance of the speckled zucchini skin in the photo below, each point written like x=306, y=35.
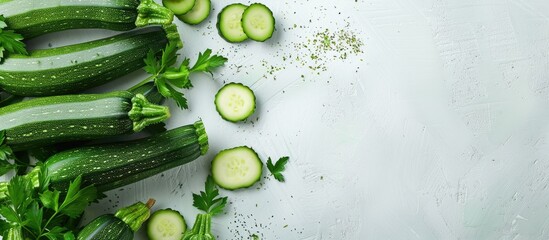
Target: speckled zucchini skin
x=81, y=66
x=106, y=227
x=32, y=18
x=110, y=166
x=44, y=121
x=120, y=226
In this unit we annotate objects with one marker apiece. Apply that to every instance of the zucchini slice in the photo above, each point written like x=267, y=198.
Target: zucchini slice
x=236, y=168
x=166, y=224
x=258, y=22
x=229, y=23
x=199, y=13
x=235, y=102
x=179, y=7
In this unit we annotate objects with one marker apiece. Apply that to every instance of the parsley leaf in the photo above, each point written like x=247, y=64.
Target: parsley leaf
x=205, y=63
x=208, y=200
x=37, y=212
x=77, y=199
x=169, y=79
x=10, y=41
x=278, y=167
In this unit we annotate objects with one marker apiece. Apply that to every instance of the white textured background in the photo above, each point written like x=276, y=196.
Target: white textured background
x=439, y=130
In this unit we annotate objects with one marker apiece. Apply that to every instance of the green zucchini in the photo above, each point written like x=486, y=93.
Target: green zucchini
x=74, y=68
x=49, y=120
x=113, y=165
x=32, y=18
x=120, y=226
x=109, y=166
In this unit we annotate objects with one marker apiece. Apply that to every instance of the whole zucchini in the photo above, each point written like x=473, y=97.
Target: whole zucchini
x=32, y=18
x=113, y=165
x=120, y=226
x=74, y=68
x=45, y=121
x=109, y=166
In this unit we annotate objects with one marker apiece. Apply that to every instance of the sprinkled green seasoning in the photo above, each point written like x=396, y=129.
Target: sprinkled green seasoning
x=326, y=46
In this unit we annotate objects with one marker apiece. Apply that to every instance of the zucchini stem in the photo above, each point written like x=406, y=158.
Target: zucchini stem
x=150, y=203
x=151, y=13
x=136, y=214
x=144, y=113
x=202, y=136
x=201, y=228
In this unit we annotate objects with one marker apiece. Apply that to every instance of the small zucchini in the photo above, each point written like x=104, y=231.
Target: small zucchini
x=32, y=18
x=45, y=121
x=74, y=68
x=120, y=226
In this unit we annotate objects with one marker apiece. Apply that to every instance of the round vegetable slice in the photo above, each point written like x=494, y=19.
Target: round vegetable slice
x=199, y=13
x=166, y=224
x=236, y=168
x=229, y=23
x=235, y=102
x=179, y=7
x=258, y=22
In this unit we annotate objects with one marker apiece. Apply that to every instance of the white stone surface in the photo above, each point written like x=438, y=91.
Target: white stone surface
x=439, y=130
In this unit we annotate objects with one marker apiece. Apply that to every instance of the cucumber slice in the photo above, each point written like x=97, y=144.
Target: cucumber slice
x=166, y=224
x=229, y=23
x=235, y=102
x=199, y=13
x=258, y=22
x=179, y=7
x=236, y=168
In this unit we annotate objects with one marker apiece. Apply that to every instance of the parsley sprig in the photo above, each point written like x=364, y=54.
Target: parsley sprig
x=169, y=79
x=10, y=41
x=209, y=200
x=277, y=168
x=39, y=213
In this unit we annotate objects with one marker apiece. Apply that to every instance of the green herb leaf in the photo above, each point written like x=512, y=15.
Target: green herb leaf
x=50, y=199
x=169, y=80
x=77, y=199
x=69, y=236
x=208, y=200
x=10, y=41
x=5, y=167
x=34, y=215
x=55, y=233
x=9, y=214
x=206, y=63
x=20, y=192
x=277, y=168
x=3, y=22
x=151, y=65
x=4, y=226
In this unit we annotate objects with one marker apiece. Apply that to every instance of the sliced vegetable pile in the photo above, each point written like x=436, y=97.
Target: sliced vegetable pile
x=51, y=141
x=238, y=22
